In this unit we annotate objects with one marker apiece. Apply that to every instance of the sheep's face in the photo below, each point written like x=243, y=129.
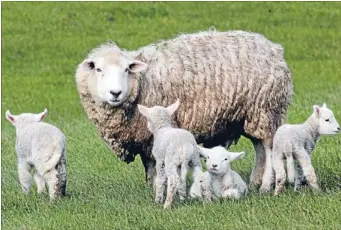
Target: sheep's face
x=218, y=159
x=25, y=118
x=114, y=77
x=327, y=122
x=158, y=116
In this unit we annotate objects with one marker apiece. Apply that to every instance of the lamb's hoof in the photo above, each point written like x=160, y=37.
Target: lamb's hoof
x=167, y=206
x=317, y=190
x=158, y=200
x=264, y=190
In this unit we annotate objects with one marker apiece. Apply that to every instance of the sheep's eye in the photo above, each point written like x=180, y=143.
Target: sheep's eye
x=225, y=159
x=98, y=70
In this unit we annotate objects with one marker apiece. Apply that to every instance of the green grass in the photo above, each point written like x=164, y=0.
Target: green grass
x=42, y=43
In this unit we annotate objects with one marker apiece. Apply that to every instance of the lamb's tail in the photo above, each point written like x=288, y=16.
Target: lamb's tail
x=290, y=168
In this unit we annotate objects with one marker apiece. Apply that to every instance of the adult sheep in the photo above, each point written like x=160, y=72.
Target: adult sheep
x=229, y=83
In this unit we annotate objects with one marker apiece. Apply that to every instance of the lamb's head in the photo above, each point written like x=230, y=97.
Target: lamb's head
x=326, y=120
x=25, y=119
x=218, y=159
x=112, y=74
x=158, y=116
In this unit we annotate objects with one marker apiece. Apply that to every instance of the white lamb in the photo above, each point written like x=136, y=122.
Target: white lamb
x=41, y=146
x=296, y=142
x=220, y=180
x=175, y=151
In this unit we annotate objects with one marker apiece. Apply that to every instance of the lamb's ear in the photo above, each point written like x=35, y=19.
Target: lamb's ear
x=324, y=105
x=172, y=108
x=88, y=64
x=11, y=118
x=317, y=111
x=203, y=152
x=42, y=115
x=143, y=110
x=234, y=156
x=137, y=66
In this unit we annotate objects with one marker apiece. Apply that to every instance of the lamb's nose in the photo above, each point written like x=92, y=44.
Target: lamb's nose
x=338, y=128
x=115, y=93
x=214, y=166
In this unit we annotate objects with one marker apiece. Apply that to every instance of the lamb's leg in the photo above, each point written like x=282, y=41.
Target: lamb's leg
x=52, y=179
x=61, y=169
x=182, y=187
x=232, y=193
x=24, y=176
x=40, y=182
x=259, y=163
x=290, y=168
x=149, y=168
x=307, y=168
x=173, y=182
x=278, y=166
x=299, y=177
x=160, y=182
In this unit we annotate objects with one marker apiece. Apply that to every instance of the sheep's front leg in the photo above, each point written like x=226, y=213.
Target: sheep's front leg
x=299, y=177
x=259, y=163
x=24, y=176
x=149, y=168
x=307, y=168
x=268, y=171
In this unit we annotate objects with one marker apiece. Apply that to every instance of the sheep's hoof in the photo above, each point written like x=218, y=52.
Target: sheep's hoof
x=167, y=206
x=264, y=190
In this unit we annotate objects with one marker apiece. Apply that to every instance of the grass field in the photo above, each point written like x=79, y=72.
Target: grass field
x=42, y=43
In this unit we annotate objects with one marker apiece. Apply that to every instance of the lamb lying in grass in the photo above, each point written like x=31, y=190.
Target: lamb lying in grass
x=42, y=146
x=220, y=180
x=296, y=142
x=175, y=151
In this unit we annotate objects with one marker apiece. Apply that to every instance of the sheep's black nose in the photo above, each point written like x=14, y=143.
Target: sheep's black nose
x=214, y=166
x=115, y=93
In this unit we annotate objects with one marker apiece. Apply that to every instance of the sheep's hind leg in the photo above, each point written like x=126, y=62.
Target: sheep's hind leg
x=53, y=182
x=24, y=176
x=182, y=187
x=40, y=182
x=160, y=182
x=173, y=182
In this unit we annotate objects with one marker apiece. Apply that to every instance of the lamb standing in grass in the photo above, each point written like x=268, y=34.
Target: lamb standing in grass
x=297, y=142
x=220, y=180
x=42, y=146
x=175, y=150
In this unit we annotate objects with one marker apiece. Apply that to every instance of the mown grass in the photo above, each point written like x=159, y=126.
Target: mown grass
x=42, y=42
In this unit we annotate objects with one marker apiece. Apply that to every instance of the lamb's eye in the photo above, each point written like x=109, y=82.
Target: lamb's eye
x=327, y=120
x=127, y=69
x=98, y=70
x=225, y=159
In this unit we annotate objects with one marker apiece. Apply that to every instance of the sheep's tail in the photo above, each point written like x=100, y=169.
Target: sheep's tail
x=290, y=168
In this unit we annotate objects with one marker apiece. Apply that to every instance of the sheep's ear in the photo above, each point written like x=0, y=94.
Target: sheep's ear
x=88, y=64
x=41, y=115
x=11, y=118
x=137, y=66
x=203, y=152
x=234, y=156
x=324, y=105
x=143, y=110
x=172, y=108
x=317, y=111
